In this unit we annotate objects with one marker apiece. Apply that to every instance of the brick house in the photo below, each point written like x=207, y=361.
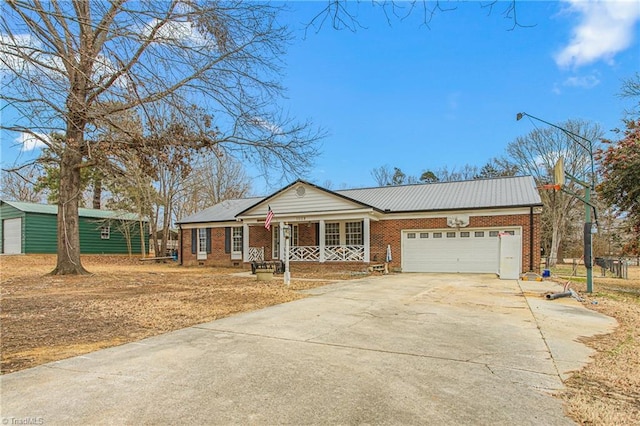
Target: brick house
x=476, y=226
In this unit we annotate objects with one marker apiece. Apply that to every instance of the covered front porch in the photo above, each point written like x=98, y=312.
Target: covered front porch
x=332, y=240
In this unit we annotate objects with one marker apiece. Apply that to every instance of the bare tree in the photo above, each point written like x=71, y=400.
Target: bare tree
x=343, y=14
x=20, y=184
x=73, y=66
x=536, y=154
x=213, y=179
x=467, y=172
x=383, y=175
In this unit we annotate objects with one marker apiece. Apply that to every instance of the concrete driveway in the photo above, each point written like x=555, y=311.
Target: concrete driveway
x=399, y=349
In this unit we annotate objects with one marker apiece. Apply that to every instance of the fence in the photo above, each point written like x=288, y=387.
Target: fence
x=618, y=266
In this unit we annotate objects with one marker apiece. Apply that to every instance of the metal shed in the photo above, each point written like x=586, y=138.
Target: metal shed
x=32, y=228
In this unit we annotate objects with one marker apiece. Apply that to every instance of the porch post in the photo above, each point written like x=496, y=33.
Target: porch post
x=321, y=242
x=365, y=238
x=281, y=239
x=245, y=242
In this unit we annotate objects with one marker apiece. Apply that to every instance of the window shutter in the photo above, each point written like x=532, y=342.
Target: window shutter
x=317, y=233
x=208, y=240
x=194, y=240
x=227, y=239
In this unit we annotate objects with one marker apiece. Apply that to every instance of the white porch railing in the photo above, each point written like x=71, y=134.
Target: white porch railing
x=331, y=253
x=256, y=254
x=344, y=253
x=304, y=253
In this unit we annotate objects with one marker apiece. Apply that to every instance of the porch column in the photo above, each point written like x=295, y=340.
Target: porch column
x=281, y=239
x=365, y=238
x=321, y=242
x=245, y=242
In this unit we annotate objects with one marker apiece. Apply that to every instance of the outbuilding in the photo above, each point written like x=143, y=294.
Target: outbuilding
x=32, y=228
x=475, y=226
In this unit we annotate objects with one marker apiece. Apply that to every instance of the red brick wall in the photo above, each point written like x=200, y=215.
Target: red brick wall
x=217, y=257
x=382, y=233
x=388, y=232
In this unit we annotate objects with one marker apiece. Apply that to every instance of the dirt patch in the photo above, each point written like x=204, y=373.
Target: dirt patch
x=47, y=318
x=607, y=391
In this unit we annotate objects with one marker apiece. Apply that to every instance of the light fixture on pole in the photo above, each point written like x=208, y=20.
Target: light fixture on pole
x=559, y=175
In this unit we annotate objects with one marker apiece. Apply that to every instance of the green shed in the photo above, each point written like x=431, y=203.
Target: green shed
x=32, y=228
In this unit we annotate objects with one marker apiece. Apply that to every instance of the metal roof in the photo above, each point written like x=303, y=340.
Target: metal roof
x=222, y=212
x=470, y=194
x=504, y=192
x=82, y=212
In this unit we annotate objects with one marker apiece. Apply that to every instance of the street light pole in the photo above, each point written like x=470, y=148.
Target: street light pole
x=588, y=147
x=588, y=187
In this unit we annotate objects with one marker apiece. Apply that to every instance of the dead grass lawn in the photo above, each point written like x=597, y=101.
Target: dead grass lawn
x=47, y=318
x=607, y=391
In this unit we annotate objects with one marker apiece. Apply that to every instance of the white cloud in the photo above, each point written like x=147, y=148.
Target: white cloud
x=605, y=28
x=586, y=81
x=32, y=142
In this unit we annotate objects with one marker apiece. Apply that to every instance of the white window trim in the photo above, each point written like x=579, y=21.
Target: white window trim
x=236, y=239
x=201, y=250
x=105, y=233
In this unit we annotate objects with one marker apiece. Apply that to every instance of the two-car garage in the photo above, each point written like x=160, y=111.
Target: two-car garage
x=455, y=250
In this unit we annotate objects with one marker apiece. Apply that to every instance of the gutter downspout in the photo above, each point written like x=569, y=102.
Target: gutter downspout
x=531, y=239
x=181, y=244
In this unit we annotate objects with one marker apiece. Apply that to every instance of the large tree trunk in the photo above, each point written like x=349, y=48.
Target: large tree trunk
x=97, y=192
x=556, y=238
x=68, y=220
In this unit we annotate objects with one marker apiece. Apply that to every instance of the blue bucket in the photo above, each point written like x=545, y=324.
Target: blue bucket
x=546, y=273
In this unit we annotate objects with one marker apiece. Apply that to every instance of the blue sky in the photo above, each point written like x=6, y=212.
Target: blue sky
x=421, y=98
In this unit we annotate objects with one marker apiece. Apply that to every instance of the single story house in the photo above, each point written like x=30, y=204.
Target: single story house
x=32, y=228
x=476, y=226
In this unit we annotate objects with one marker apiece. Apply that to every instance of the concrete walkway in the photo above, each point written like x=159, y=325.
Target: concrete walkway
x=399, y=349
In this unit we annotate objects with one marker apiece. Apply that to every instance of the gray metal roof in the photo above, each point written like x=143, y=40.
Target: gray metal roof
x=516, y=191
x=222, y=212
x=470, y=194
x=82, y=212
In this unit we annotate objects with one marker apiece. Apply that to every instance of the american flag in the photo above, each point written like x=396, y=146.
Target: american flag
x=267, y=221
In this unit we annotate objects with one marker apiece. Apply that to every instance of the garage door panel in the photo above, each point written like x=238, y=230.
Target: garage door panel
x=474, y=254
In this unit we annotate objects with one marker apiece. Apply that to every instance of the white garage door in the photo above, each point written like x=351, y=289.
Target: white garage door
x=12, y=234
x=450, y=250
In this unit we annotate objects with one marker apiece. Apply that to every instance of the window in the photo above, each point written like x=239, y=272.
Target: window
x=510, y=232
x=236, y=244
x=354, y=233
x=424, y=235
x=275, y=234
x=451, y=234
x=464, y=234
x=202, y=240
x=332, y=234
x=105, y=232
x=478, y=234
x=437, y=235
x=411, y=235
x=493, y=233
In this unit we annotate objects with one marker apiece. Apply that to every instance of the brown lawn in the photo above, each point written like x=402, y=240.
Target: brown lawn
x=607, y=391
x=46, y=318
